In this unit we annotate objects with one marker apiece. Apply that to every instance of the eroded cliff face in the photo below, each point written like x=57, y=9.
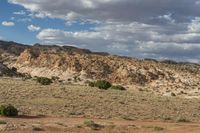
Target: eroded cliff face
x=68, y=62
x=115, y=69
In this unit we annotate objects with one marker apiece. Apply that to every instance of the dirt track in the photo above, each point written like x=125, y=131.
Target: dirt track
x=76, y=125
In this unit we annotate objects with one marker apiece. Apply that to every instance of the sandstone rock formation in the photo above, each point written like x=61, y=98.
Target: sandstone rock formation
x=62, y=63
x=66, y=62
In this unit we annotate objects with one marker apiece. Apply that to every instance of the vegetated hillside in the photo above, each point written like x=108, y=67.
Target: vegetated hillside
x=54, y=61
x=67, y=62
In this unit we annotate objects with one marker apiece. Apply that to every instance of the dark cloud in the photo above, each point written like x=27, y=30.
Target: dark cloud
x=116, y=10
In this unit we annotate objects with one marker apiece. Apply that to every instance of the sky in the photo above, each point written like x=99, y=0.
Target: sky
x=159, y=29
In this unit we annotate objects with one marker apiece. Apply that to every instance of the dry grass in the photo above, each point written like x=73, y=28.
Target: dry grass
x=82, y=101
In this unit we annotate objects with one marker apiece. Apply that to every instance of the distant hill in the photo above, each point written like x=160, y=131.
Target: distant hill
x=12, y=47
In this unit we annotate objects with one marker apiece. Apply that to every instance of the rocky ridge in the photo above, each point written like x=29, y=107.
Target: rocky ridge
x=7, y=72
x=66, y=62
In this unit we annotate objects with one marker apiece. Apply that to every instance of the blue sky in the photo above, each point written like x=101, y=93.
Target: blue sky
x=20, y=33
x=160, y=29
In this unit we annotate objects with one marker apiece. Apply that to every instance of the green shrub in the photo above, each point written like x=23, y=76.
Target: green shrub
x=38, y=129
x=173, y=94
x=44, y=80
x=14, y=69
x=158, y=128
x=93, y=125
x=167, y=118
x=91, y=84
x=55, y=78
x=76, y=78
x=2, y=122
x=118, y=87
x=35, y=78
x=182, y=120
x=8, y=110
x=27, y=76
x=103, y=84
x=69, y=79
x=155, y=128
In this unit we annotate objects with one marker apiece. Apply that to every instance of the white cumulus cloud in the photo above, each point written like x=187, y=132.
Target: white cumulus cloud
x=8, y=23
x=194, y=26
x=139, y=28
x=33, y=28
x=20, y=13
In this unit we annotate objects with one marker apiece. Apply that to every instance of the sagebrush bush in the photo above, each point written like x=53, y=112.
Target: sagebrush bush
x=103, y=84
x=91, y=84
x=93, y=125
x=14, y=69
x=182, y=120
x=55, y=78
x=118, y=87
x=8, y=110
x=27, y=76
x=44, y=80
x=173, y=94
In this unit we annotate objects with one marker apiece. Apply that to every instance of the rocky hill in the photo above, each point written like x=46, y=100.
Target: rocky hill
x=7, y=72
x=68, y=62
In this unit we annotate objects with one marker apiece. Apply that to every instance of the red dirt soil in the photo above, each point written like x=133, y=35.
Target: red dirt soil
x=76, y=125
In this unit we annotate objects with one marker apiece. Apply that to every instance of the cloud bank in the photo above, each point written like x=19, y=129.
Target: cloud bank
x=140, y=28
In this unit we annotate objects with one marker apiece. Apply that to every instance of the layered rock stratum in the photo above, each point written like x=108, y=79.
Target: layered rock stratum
x=66, y=62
